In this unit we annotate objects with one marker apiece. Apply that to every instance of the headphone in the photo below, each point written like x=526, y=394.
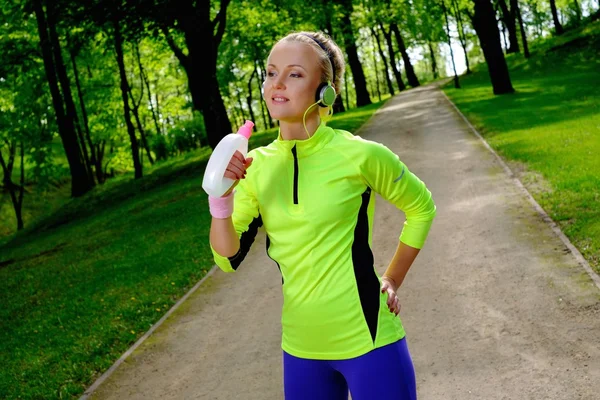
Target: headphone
x=325, y=94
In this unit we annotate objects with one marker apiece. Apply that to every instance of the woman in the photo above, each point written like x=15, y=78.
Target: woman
x=314, y=189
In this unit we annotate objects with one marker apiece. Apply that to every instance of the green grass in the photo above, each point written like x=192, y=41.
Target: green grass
x=80, y=286
x=550, y=128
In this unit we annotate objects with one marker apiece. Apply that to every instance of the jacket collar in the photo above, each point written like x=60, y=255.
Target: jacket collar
x=306, y=147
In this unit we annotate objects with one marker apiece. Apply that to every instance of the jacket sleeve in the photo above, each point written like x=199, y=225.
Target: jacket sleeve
x=387, y=175
x=246, y=221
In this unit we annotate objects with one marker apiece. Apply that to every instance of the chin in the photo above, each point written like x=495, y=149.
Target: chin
x=285, y=116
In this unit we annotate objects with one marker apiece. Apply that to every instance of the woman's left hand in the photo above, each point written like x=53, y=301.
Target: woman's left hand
x=389, y=286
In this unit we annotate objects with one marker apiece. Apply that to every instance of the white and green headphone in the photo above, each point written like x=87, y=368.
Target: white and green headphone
x=325, y=95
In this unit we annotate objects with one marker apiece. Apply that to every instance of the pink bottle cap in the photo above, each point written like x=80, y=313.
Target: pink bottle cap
x=246, y=129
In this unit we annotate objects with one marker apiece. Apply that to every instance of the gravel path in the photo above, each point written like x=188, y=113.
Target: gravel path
x=495, y=306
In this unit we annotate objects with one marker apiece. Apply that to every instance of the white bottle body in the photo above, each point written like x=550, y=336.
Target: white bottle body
x=214, y=182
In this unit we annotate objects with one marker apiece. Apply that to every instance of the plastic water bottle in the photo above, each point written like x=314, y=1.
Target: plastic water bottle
x=214, y=182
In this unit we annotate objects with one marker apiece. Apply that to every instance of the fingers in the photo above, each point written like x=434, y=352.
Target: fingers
x=392, y=302
x=395, y=308
x=236, y=169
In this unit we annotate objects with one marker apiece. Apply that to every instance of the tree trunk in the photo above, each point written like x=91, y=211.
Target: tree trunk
x=505, y=47
x=385, y=61
x=360, y=83
x=346, y=91
x=456, y=81
x=577, y=10
x=65, y=84
x=433, y=62
x=16, y=198
x=484, y=22
x=263, y=70
x=88, y=136
x=164, y=127
x=249, y=97
x=377, y=85
x=7, y=167
x=461, y=33
x=557, y=25
x=124, y=95
x=412, y=79
x=260, y=79
x=239, y=99
x=200, y=64
x=510, y=21
x=338, y=105
x=143, y=136
x=388, y=39
x=147, y=83
x=136, y=107
x=80, y=183
x=522, y=29
x=99, y=149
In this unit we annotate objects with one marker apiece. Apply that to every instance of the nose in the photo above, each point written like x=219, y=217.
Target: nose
x=278, y=82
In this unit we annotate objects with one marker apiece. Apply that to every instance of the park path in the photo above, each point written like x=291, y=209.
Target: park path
x=495, y=307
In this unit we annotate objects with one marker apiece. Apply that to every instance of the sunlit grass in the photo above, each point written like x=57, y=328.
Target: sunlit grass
x=550, y=126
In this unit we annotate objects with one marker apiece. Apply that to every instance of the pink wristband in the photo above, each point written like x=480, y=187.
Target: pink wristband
x=221, y=207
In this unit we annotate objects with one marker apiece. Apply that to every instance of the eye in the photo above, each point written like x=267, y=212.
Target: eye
x=270, y=74
x=295, y=75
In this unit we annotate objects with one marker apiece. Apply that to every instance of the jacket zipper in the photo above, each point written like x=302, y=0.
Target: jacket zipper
x=295, y=174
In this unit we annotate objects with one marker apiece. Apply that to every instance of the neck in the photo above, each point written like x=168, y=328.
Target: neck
x=294, y=130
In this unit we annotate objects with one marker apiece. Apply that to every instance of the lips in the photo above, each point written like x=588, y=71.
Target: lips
x=278, y=99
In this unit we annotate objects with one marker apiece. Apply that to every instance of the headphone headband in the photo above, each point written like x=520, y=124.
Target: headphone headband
x=321, y=45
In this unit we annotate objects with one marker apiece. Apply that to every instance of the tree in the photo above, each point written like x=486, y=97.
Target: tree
x=509, y=18
x=202, y=36
x=136, y=104
x=65, y=83
x=411, y=77
x=456, y=81
x=360, y=83
x=426, y=24
x=95, y=157
x=484, y=22
x=26, y=128
x=388, y=81
x=558, y=28
x=80, y=182
x=388, y=39
x=461, y=32
x=522, y=29
x=433, y=61
x=116, y=20
x=16, y=191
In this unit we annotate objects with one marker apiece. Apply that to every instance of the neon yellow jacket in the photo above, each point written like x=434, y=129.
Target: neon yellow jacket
x=316, y=200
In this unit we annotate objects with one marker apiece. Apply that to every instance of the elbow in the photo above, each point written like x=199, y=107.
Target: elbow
x=224, y=250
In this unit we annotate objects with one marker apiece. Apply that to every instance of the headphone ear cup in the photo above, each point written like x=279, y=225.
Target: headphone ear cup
x=325, y=95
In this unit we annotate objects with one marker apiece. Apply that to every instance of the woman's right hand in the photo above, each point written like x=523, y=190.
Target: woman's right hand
x=236, y=169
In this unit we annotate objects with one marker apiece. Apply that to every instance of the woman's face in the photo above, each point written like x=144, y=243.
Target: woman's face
x=293, y=75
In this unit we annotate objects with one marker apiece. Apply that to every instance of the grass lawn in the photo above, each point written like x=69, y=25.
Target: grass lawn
x=549, y=130
x=80, y=286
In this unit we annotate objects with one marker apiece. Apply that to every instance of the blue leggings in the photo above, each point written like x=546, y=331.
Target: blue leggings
x=384, y=373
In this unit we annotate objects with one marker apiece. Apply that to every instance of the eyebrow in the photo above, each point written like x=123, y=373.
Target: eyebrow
x=291, y=65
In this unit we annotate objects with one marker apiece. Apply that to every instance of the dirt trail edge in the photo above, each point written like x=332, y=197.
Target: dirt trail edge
x=495, y=307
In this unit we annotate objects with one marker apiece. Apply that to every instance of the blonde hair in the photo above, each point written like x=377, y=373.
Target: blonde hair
x=332, y=49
